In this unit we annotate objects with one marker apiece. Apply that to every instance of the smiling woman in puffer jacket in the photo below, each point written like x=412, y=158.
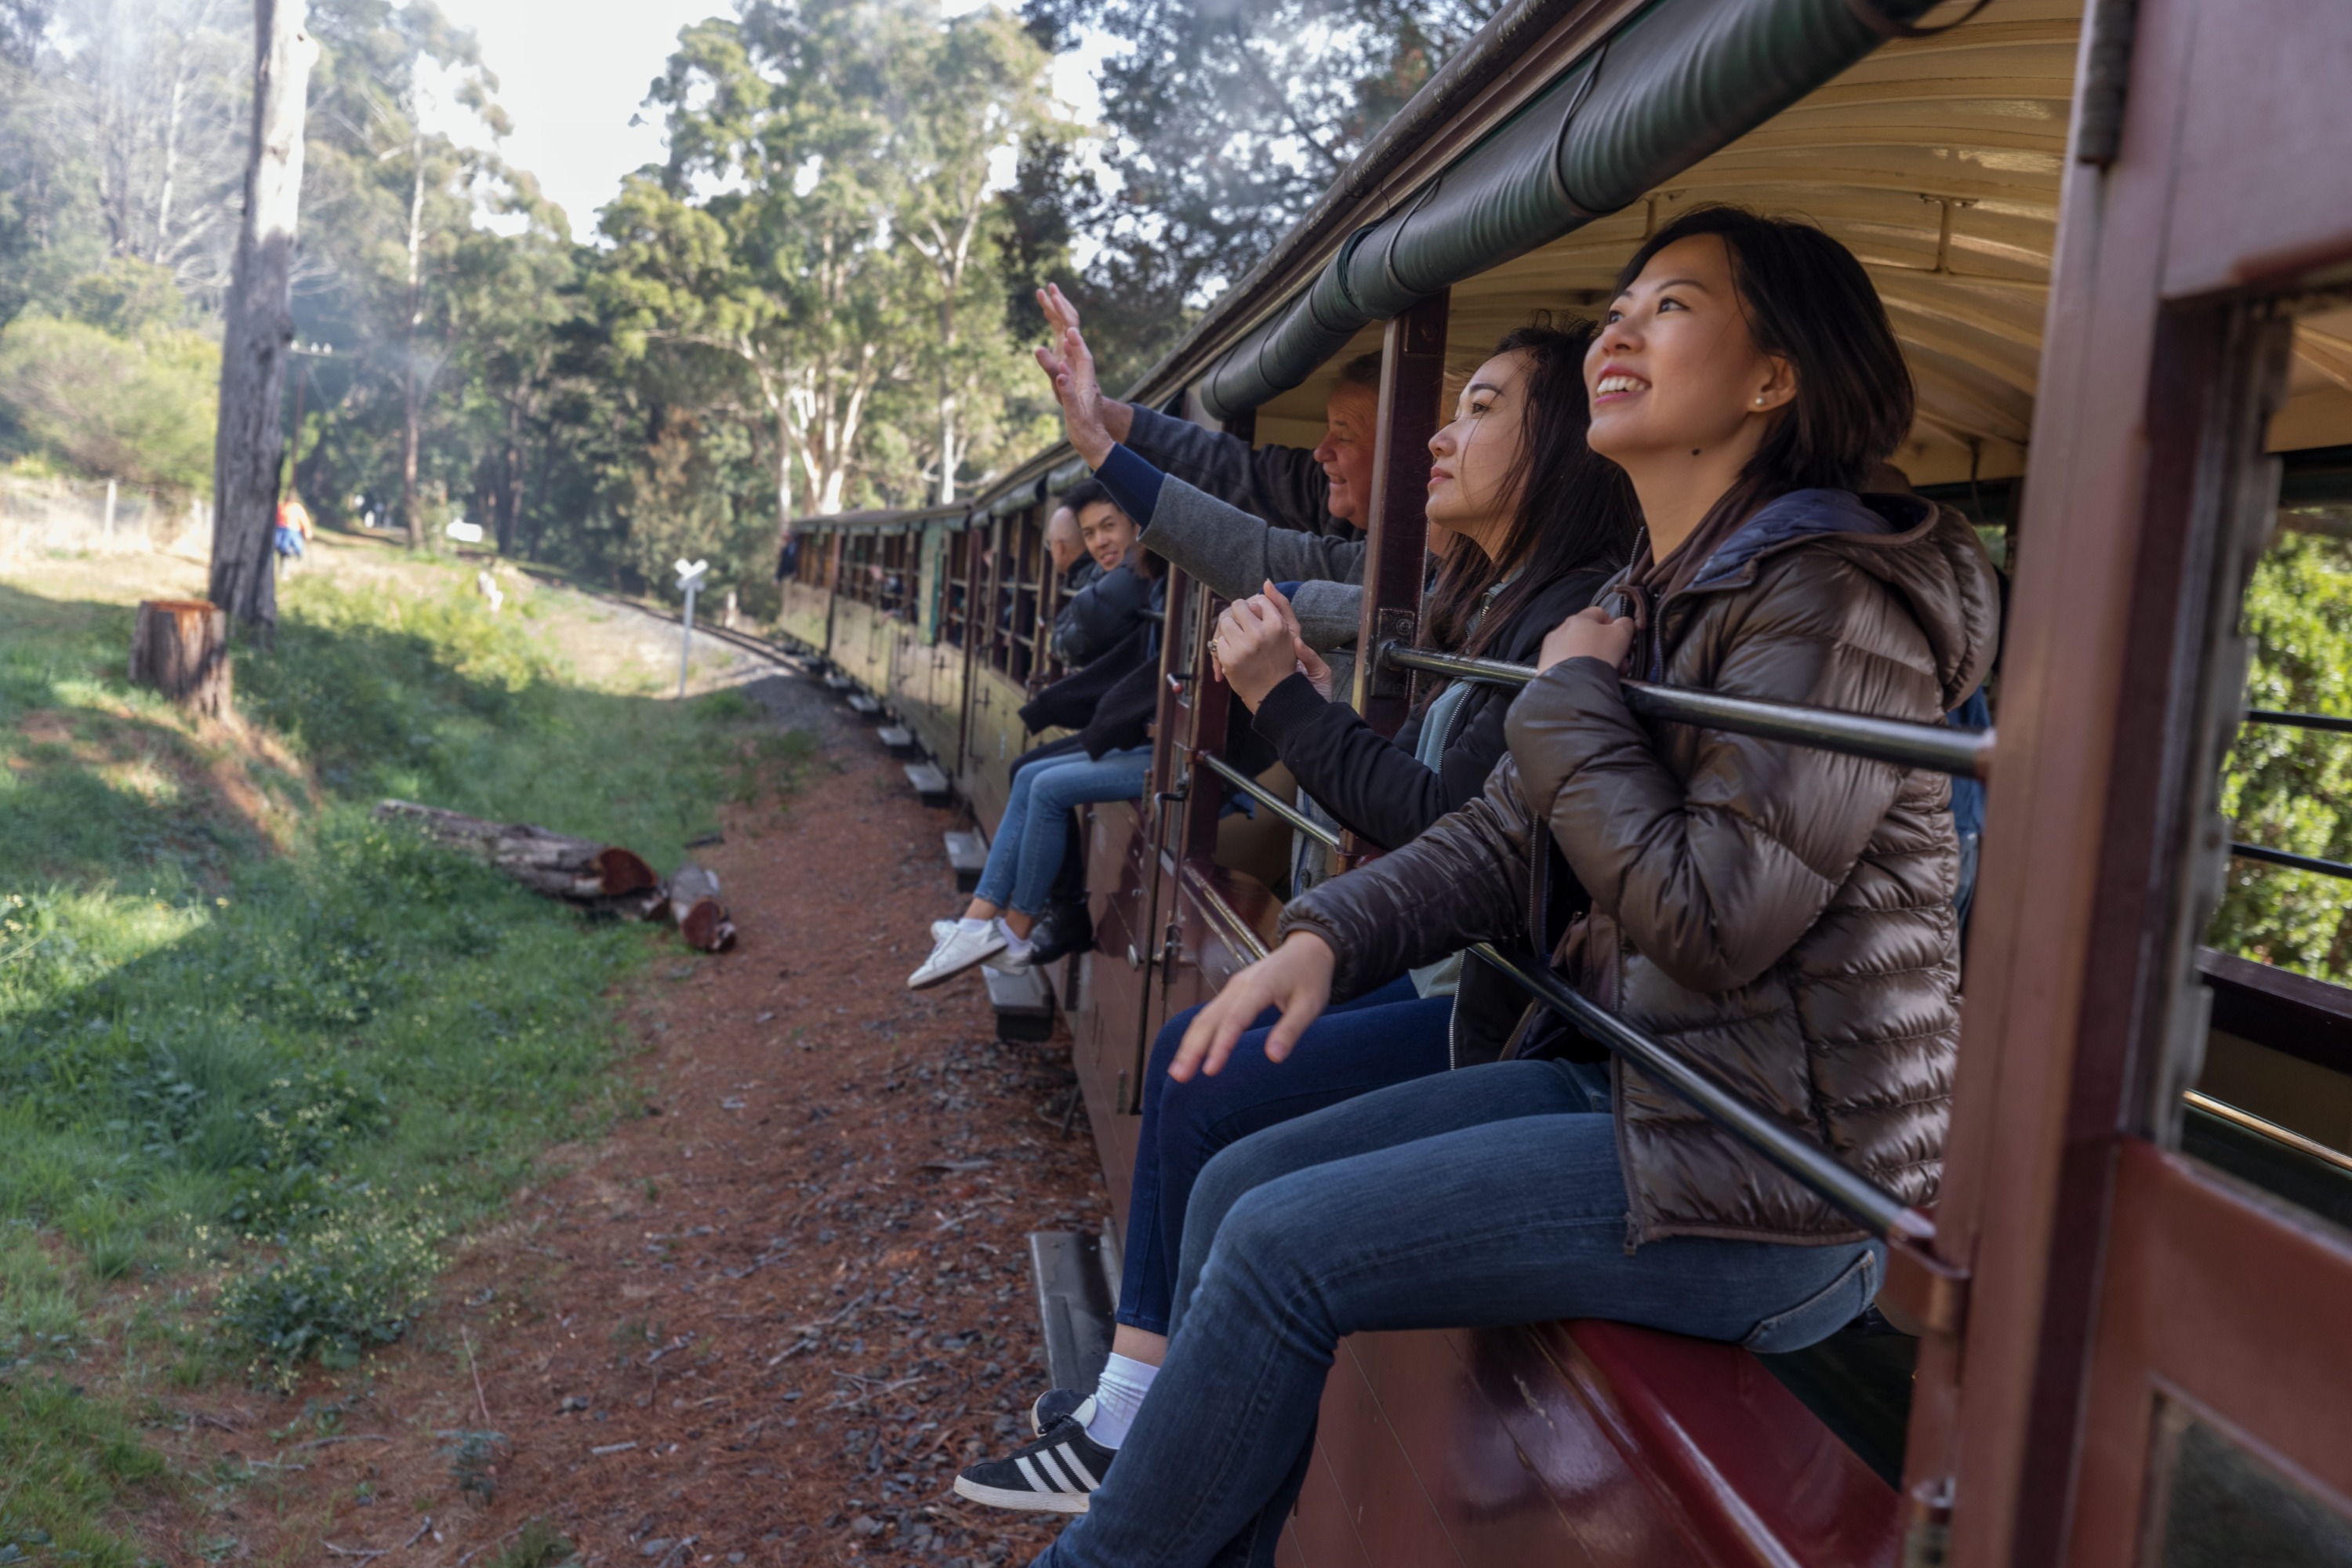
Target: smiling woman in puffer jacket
x=1780, y=915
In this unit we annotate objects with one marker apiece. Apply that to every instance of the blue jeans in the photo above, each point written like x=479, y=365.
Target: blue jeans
x=1476, y=1199
x=1030, y=843
x=1383, y=1038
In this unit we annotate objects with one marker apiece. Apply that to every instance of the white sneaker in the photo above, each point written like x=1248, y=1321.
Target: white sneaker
x=939, y=930
x=1015, y=958
x=958, y=951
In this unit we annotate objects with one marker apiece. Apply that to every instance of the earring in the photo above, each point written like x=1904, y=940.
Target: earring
x=1760, y=400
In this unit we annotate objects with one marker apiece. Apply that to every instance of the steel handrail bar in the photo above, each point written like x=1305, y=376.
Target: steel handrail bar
x=2288, y=859
x=2262, y=1128
x=1265, y=797
x=1965, y=752
x=1881, y=1212
x=1884, y=1214
x=2331, y=722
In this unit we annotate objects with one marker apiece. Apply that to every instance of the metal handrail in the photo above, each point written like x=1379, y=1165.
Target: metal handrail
x=2291, y=861
x=1880, y=1211
x=2261, y=1128
x=2331, y=722
x=1965, y=752
x=1265, y=797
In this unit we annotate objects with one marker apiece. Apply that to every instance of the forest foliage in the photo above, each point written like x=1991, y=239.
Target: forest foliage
x=818, y=301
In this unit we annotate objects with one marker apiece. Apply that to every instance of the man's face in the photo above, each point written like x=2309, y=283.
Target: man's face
x=1346, y=452
x=1062, y=540
x=1107, y=533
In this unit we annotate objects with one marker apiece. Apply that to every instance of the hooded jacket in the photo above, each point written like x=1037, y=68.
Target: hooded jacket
x=1778, y=914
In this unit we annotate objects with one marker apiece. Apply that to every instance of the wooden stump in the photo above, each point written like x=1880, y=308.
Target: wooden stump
x=180, y=647
x=694, y=904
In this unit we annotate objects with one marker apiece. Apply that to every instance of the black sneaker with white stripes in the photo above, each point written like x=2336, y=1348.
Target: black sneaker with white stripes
x=1058, y=1473
x=1053, y=1404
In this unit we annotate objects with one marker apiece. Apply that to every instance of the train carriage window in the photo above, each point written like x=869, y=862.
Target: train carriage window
x=1028, y=595
x=964, y=549
x=2265, y=1081
x=896, y=587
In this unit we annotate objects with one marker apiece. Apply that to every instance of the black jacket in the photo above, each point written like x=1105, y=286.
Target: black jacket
x=1070, y=702
x=1283, y=485
x=1098, y=616
x=1379, y=787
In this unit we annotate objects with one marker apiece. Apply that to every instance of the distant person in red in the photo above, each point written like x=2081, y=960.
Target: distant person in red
x=294, y=530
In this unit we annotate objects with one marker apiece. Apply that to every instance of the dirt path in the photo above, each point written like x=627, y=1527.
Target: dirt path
x=766, y=1323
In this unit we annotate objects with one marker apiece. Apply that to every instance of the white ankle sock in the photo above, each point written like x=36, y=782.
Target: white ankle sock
x=967, y=923
x=1119, y=1395
x=1014, y=946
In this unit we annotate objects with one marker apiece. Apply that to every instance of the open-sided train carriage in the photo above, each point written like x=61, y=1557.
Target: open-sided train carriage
x=2117, y=248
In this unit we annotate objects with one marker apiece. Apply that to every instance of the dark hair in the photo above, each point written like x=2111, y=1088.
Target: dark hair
x=1087, y=493
x=1808, y=301
x=1364, y=370
x=1574, y=508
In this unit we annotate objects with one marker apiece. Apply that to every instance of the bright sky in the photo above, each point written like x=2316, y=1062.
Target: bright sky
x=571, y=76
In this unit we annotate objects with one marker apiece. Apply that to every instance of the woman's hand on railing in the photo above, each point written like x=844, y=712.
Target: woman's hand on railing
x=1257, y=648
x=1590, y=632
x=1295, y=977
x=1094, y=423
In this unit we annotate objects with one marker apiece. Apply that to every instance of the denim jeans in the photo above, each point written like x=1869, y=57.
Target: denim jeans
x=1383, y=1038
x=1030, y=841
x=1477, y=1198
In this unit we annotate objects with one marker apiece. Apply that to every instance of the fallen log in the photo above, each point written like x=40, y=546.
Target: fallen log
x=694, y=905
x=555, y=864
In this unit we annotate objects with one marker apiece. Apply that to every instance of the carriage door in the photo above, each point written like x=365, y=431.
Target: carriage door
x=2156, y=1368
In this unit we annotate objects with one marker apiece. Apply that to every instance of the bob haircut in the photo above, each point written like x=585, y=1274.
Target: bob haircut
x=1570, y=507
x=1808, y=301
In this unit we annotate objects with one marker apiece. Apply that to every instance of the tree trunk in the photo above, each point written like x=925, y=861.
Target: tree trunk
x=552, y=863
x=412, y=395
x=408, y=514
x=694, y=905
x=180, y=647
x=258, y=325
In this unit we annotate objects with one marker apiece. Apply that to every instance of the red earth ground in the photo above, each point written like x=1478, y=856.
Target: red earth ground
x=764, y=1323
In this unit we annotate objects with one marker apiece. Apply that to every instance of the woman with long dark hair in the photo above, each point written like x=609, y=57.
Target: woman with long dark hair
x=1777, y=914
x=1538, y=523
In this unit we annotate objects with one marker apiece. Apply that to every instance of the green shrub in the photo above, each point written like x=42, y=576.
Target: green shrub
x=539, y=1545
x=136, y=409
x=335, y=1293
x=2288, y=788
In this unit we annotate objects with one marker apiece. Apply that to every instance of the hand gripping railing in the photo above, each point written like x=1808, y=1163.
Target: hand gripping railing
x=1967, y=753
x=1918, y=1283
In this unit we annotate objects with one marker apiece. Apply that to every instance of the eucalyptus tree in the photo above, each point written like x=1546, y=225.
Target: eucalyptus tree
x=965, y=97
x=826, y=222
x=396, y=201
x=1225, y=122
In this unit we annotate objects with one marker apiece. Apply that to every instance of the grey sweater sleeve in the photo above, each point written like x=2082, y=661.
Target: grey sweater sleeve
x=1236, y=554
x=1328, y=613
x=1281, y=484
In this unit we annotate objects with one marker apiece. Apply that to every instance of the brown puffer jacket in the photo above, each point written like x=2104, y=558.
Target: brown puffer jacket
x=1778, y=914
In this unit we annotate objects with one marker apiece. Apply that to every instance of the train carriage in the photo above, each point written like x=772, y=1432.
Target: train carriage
x=2115, y=242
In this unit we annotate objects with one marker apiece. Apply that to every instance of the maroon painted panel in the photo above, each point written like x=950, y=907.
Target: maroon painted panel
x=1579, y=1444
x=2229, y=1298
x=2264, y=190
x=1757, y=1475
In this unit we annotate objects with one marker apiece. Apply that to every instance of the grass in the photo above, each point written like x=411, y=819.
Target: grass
x=262, y=1057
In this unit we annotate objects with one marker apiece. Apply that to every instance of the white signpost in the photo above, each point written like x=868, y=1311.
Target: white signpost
x=689, y=582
